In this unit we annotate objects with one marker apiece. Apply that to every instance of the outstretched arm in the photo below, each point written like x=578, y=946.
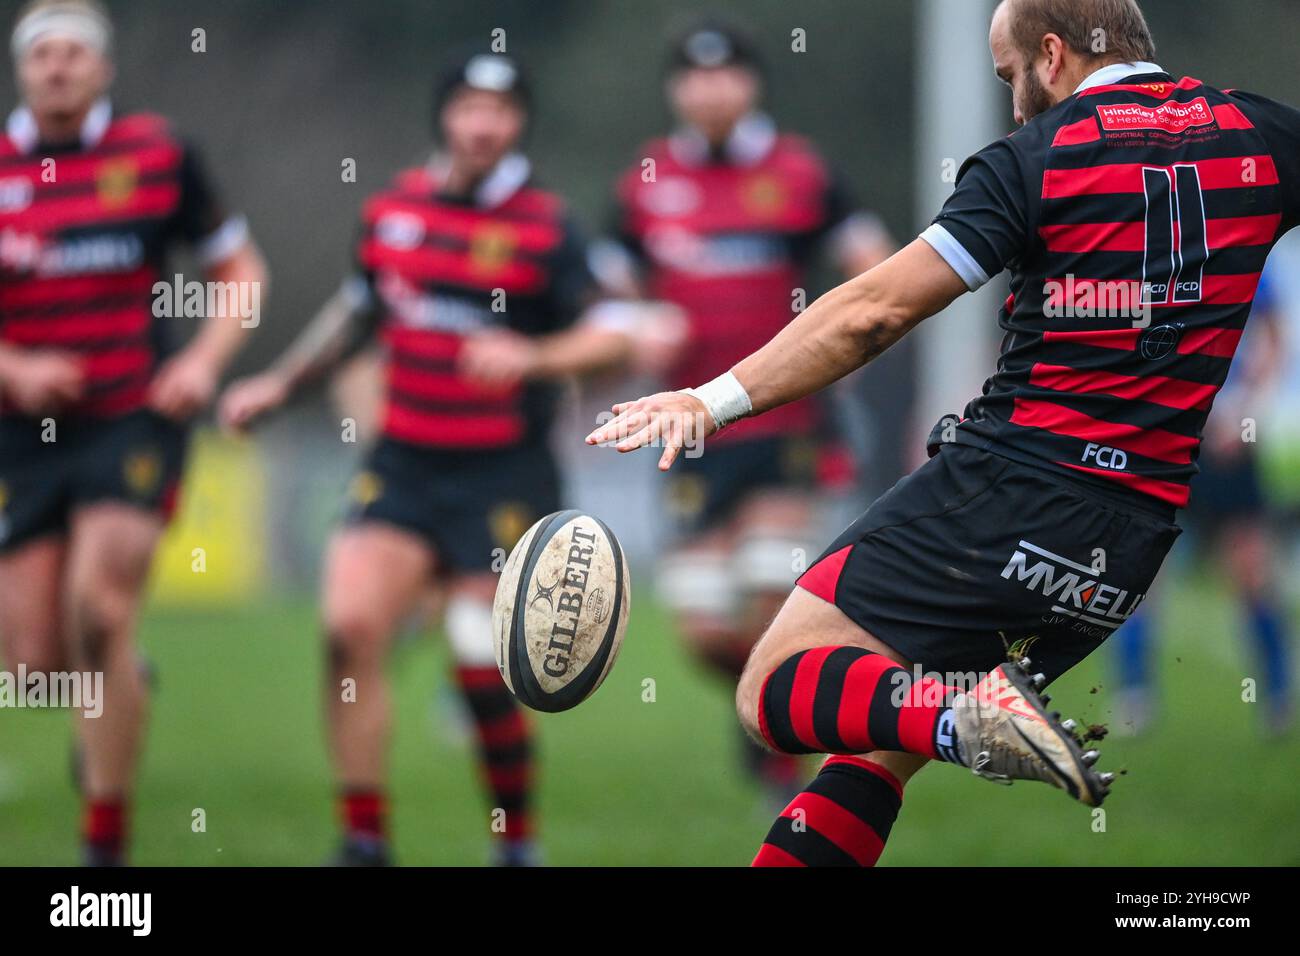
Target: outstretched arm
x=338, y=330
x=842, y=331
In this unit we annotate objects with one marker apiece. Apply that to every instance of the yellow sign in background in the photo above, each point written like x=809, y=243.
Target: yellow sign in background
x=214, y=550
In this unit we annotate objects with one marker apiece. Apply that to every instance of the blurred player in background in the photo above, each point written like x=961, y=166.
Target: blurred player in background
x=94, y=402
x=472, y=276
x=724, y=218
x=1230, y=507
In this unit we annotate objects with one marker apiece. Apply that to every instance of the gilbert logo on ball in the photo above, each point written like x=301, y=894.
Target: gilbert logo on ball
x=560, y=611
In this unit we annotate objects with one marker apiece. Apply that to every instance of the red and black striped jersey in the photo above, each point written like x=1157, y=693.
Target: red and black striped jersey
x=729, y=237
x=1135, y=217
x=439, y=269
x=84, y=231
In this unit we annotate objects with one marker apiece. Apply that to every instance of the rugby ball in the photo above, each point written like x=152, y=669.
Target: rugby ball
x=560, y=611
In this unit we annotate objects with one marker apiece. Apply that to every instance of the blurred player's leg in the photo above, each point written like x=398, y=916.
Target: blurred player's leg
x=1231, y=508
x=746, y=515
x=31, y=579
x=1248, y=554
x=505, y=739
x=481, y=506
x=720, y=622
x=374, y=574
x=1134, y=652
x=771, y=532
x=110, y=550
x=698, y=584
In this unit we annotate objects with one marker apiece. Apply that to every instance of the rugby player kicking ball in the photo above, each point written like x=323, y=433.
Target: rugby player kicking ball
x=1045, y=518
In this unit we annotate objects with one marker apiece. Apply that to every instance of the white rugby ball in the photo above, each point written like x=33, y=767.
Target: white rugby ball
x=560, y=611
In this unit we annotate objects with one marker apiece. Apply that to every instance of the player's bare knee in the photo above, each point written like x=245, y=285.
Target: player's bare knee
x=352, y=635
x=782, y=639
x=99, y=619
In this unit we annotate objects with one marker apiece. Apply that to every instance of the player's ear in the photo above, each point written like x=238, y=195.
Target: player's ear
x=1053, y=48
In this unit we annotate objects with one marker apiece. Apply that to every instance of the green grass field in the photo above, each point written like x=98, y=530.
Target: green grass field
x=626, y=781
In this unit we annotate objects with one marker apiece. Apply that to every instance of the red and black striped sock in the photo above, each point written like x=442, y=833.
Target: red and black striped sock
x=846, y=700
x=842, y=819
x=103, y=828
x=365, y=814
x=505, y=747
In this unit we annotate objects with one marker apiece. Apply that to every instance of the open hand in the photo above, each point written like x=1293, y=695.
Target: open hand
x=674, y=420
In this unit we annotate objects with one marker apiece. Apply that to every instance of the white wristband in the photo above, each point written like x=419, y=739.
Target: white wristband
x=725, y=398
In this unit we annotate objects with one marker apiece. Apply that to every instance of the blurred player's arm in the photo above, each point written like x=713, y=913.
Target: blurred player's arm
x=228, y=256
x=339, y=330
x=187, y=382
x=619, y=264
x=343, y=326
x=861, y=243
x=38, y=382
x=612, y=329
x=609, y=335
x=856, y=239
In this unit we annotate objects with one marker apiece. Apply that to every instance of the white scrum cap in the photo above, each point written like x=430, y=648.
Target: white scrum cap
x=83, y=22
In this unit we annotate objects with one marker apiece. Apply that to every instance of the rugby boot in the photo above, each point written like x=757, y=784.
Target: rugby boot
x=1005, y=733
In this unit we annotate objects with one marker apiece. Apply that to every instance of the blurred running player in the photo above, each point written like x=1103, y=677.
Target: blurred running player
x=726, y=224
x=1135, y=213
x=1230, y=508
x=472, y=276
x=94, y=402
